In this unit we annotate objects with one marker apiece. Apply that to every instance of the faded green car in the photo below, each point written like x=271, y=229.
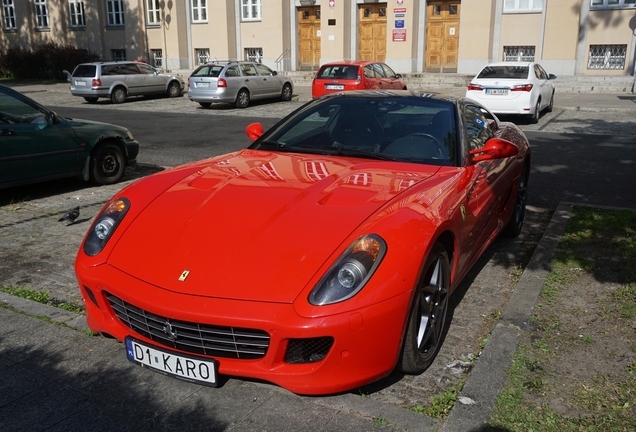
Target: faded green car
x=37, y=145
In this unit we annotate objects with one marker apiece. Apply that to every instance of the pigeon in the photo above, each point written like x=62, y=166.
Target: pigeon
x=71, y=215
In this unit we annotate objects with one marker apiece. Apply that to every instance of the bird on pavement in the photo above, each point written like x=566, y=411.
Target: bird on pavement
x=71, y=215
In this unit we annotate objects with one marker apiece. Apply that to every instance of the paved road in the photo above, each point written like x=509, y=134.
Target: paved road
x=38, y=251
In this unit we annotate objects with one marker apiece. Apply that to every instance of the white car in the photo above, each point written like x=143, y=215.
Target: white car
x=519, y=88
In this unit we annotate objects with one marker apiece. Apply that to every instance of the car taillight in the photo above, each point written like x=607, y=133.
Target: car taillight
x=521, y=87
x=221, y=83
x=97, y=82
x=475, y=87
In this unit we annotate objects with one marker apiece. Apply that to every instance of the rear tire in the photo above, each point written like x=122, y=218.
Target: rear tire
x=118, y=95
x=427, y=317
x=242, y=99
x=534, y=118
x=107, y=164
x=551, y=105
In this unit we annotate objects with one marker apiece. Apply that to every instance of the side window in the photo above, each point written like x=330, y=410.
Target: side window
x=15, y=111
x=477, y=126
x=145, y=69
x=129, y=69
x=248, y=69
x=369, y=72
x=232, y=71
x=264, y=70
x=379, y=72
x=109, y=70
x=388, y=71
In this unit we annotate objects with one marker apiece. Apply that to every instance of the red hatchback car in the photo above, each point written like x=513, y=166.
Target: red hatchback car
x=355, y=75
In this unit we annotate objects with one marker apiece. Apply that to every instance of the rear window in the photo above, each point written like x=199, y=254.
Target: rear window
x=85, y=71
x=509, y=72
x=338, y=71
x=208, y=70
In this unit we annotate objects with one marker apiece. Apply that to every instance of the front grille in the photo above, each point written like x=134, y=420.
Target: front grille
x=308, y=350
x=211, y=340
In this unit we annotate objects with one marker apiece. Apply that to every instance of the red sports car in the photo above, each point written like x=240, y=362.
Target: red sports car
x=322, y=257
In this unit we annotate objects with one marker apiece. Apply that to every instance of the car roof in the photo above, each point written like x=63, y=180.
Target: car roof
x=350, y=63
x=509, y=63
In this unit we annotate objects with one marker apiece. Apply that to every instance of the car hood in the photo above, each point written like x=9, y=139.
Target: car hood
x=255, y=225
x=91, y=126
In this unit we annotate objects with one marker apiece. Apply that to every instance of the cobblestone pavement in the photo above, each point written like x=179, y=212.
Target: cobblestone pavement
x=38, y=251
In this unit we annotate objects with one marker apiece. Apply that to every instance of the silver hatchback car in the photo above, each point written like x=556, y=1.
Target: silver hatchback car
x=237, y=83
x=119, y=79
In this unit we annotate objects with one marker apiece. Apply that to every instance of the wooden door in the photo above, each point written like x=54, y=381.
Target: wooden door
x=372, y=33
x=442, y=36
x=309, y=37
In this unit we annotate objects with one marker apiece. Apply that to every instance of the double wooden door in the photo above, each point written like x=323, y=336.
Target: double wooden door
x=442, y=36
x=309, y=37
x=372, y=35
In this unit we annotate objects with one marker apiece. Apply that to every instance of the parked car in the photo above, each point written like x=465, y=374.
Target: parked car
x=355, y=75
x=523, y=88
x=37, y=145
x=237, y=83
x=117, y=80
x=320, y=258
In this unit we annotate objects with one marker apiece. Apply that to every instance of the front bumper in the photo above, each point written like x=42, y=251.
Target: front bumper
x=365, y=348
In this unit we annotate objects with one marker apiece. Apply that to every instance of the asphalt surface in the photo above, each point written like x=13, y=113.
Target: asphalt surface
x=55, y=377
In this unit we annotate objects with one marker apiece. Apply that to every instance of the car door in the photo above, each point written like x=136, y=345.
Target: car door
x=153, y=81
x=134, y=79
x=32, y=144
x=371, y=77
x=392, y=79
x=252, y=80
x=544, y=84
x=271, y=84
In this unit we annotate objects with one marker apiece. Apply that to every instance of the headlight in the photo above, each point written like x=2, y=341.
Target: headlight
x=104, y=226
x=129, y=134
x=351, y=272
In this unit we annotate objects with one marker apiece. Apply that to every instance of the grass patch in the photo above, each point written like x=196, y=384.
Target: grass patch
x=577, y=371
x=44, y=298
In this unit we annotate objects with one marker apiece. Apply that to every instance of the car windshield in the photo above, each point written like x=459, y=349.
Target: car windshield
x=338, y=71
x=405, y=129
x=209, y=71
x=504, y=72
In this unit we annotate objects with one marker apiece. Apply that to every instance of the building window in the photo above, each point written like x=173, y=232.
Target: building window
x=199, y=10
x=157, y=57
x=8, y=11
x=514, y=6
x=607, y=57
x=612, y=4
x=118, y=54
x=518, y=53
x=202, y=55
x=251, y=10
x=41, y=14
x=153, y=12
x=115, y=12
x=76, y=13
x=254, y=54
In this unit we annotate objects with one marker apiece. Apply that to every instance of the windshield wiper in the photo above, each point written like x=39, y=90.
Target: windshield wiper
x=275, y=144
x=347, y=151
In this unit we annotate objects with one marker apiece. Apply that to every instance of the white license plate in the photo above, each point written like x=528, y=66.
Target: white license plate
x=334, y=87
x=202, y=84
x=501, y=92
x=180, y=366
x=80, y=83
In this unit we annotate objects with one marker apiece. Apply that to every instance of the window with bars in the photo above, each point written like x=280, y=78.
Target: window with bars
x=41, y=14
x=250, y=10
x=519, y=53
x=254, y=54
x=153, y=12
x=612, y=4
x=8, y=13
x=118, y=54
x=115, y=12
x=607, y=57
x=156, y=57
x=76, y=13
x=199, y=11
x=514, y=6
x=202, y=55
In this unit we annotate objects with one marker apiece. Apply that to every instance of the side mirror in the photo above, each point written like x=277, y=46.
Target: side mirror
x=495, y=148
x=552, y=76
x=254, y=131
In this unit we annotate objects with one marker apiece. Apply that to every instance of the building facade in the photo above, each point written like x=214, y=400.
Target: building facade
x=568, y=37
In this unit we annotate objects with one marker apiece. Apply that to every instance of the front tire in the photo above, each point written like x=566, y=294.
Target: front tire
x=174, y=89
x=107, y=164
x=513, y=229
x=118, y=95
x=286, y=94
x=427, y=317
x=242, y=99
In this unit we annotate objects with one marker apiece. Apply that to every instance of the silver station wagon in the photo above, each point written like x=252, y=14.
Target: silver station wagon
x=237, y=83
x=117, y=80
